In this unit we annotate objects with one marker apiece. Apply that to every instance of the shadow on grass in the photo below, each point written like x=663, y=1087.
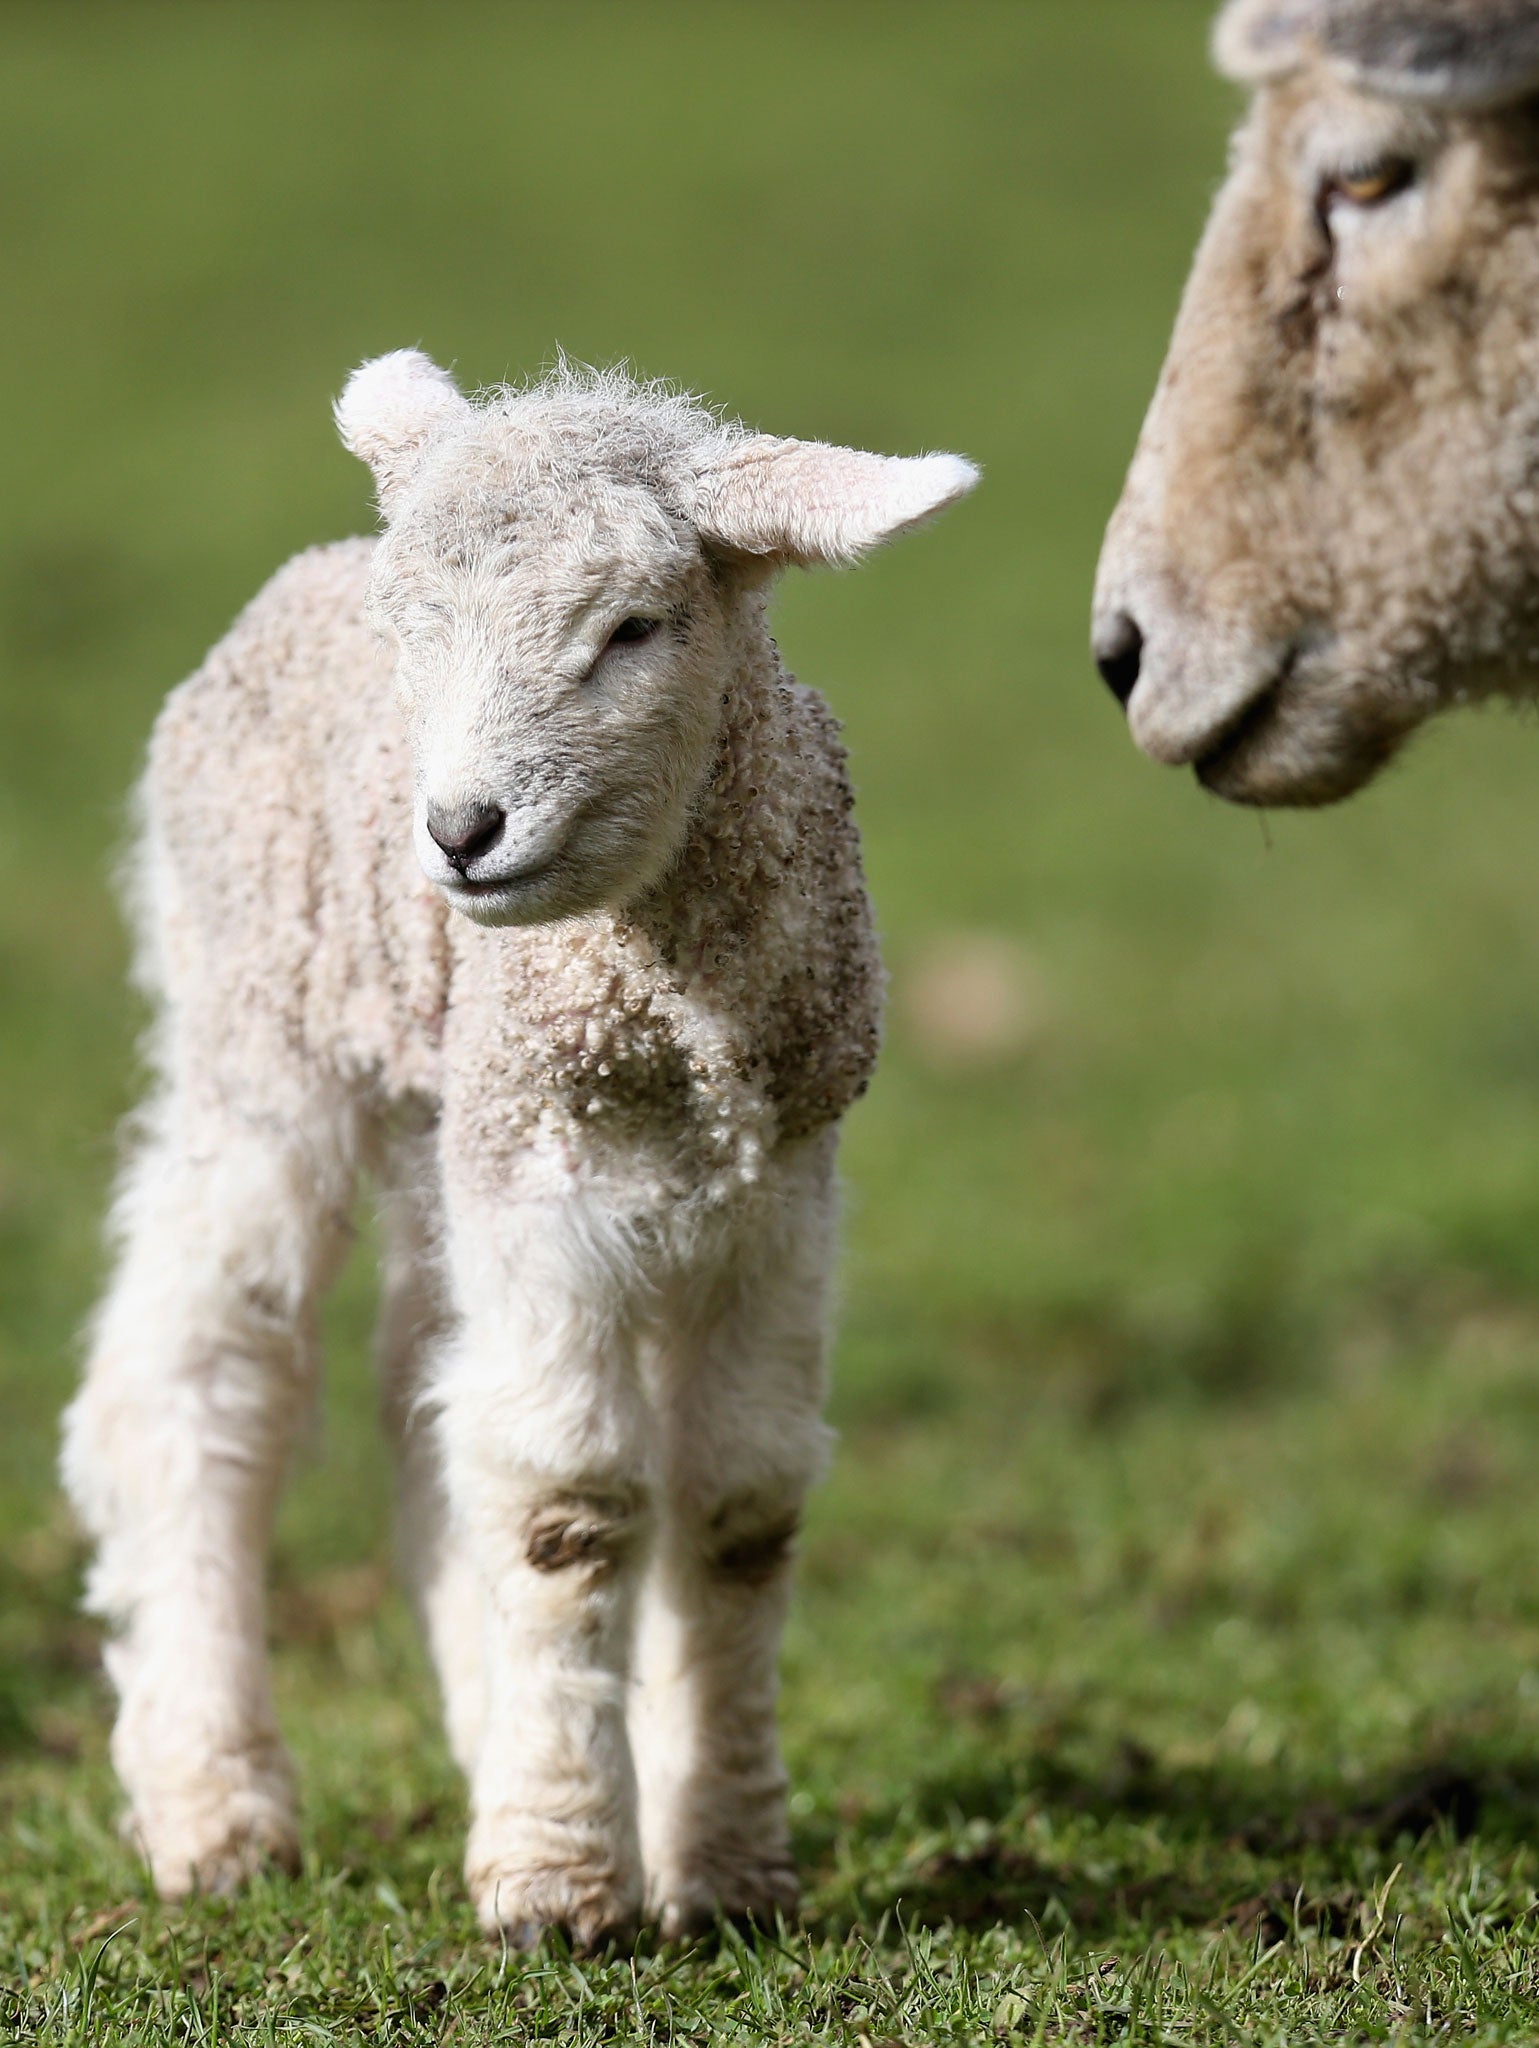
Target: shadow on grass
x=1245, y=1849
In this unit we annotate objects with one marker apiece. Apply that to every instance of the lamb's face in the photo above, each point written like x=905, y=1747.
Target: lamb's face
x=568, y=575
x=560, y=640
x=1330, y=529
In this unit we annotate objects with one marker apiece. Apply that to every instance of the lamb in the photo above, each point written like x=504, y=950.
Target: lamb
x=500, y=859
x=1330, y=530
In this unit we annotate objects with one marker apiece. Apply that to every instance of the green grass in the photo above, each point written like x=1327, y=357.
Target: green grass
x=1166, y=1662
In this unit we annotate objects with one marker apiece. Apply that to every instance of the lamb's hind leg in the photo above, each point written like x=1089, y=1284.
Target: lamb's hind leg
x=230, y=1225
x=415, y=1324
x=745, y=1440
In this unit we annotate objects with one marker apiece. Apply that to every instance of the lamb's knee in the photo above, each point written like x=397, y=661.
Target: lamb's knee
x=588, y=1534
x=750, y=1542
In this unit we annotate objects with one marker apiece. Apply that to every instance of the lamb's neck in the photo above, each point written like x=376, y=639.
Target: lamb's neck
x=742, y=830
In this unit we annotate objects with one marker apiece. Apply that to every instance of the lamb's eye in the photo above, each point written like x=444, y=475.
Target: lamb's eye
x=630, y=630
x=1368, y=184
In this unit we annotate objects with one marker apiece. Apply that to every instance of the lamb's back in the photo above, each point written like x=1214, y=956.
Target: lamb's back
x=281, y=906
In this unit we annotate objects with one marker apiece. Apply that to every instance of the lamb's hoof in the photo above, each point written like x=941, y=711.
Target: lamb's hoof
x=217, y=1857
x=207, y=1823
x=758, y=1896
x=581, y=1937
x=522, y=1907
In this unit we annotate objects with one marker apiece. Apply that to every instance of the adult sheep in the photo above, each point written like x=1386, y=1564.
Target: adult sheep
x=501, y=858
x=1331, y=525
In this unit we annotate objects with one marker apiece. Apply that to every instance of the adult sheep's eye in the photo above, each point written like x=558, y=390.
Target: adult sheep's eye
x=633, y=629
x=1368, y=184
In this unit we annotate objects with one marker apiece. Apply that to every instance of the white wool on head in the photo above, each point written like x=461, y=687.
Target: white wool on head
x=390, y=408
x=786, y=501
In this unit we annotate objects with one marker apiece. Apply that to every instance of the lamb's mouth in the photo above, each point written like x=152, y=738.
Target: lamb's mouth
x=479, y=889
x=1223, y=753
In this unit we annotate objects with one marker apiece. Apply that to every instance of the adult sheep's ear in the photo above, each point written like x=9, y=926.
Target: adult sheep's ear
x=390, y=408
x=806, y=502
x=1255, y=41
x=1460, y=54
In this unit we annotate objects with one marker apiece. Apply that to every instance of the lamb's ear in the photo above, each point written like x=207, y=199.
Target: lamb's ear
x=1458, y=54
x=806, y=502
x=1255, y=41
x=389, y=408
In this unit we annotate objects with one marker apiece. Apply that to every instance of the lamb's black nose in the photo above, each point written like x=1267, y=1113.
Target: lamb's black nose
x=1119, y=650
x=467, y=831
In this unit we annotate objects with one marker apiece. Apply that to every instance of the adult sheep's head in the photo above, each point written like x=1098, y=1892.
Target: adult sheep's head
x=1331, y=525
x=570, y=575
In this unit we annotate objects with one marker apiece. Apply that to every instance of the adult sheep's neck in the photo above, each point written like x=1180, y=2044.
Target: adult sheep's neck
x=701, y=917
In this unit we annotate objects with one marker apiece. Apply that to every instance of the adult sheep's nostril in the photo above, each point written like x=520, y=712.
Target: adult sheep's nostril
x=467, y=831
x=1119, y=653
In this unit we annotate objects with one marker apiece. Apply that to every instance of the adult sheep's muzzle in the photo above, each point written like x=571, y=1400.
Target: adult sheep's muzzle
x=1261, y=719
x=1186, y=683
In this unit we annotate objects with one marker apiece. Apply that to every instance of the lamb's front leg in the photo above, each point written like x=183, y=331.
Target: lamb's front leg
x=545, y=1448
x=717, y=1838
x=745, y=1441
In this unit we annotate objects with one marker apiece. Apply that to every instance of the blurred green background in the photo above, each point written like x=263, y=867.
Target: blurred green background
x=1189, y=1369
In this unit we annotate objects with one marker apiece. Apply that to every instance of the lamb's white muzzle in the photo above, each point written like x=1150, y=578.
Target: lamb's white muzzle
x=518, y=863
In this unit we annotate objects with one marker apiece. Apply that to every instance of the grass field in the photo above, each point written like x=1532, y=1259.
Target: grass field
x=1166, y=1664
